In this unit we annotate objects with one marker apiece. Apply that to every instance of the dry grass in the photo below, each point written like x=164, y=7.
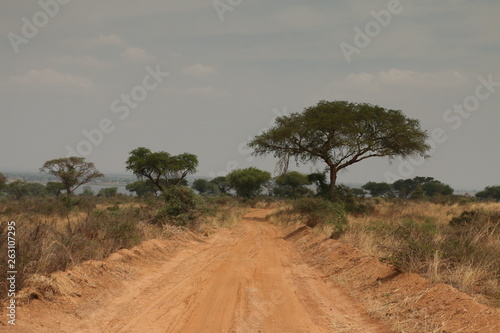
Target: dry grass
x=227, y=216
x=51, y=236
x=418, y=237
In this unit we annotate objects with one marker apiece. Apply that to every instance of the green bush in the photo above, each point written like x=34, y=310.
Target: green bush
x=183, y=208
x=316, y=211
x=352, y=203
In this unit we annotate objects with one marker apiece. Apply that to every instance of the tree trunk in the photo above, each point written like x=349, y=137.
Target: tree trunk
x=333, y=181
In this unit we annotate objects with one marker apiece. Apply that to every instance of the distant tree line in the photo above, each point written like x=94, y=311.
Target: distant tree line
x=337, y=133
x=415, y=188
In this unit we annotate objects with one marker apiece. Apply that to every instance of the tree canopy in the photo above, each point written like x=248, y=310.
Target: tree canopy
x=161, y=168
x=54, y=188
x=71, y=171
x=425, y=185
x=490, y=192
x=340, y=134
x=142, y=188
x=204, y=186
x=222, y=184
x=248, y=182
x=436, y=187
x=292, y=185
x=377, y=189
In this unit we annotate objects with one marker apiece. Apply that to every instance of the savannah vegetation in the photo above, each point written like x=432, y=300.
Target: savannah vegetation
x=417, y=224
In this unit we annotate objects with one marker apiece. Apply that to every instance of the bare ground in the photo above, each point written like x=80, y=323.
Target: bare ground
x=244, y=279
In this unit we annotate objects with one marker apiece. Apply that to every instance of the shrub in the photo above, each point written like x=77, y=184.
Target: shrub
x=477, y=218
x=413, y=245
x=315, y=211
x=352, y=203
x=183, y=208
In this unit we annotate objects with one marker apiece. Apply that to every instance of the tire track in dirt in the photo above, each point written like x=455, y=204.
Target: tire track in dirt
x=244, y=279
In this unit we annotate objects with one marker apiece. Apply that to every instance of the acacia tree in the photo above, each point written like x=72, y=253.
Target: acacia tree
x=292, y=185
x=428, y=185
x=54, y=188
x=248, y=182
x=489, y=192
x=142, y=188
x=160, y=168
x=222, y=184
x=377, y=189
x=340, y=134
x=71, y=171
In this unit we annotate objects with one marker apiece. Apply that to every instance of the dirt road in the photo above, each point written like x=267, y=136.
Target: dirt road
x=243, y=279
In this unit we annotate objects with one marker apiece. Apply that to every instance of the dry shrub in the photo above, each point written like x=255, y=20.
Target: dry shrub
x=456, y=244
x=44, y=247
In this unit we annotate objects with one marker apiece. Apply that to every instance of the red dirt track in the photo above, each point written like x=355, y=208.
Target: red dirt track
x=242, y=279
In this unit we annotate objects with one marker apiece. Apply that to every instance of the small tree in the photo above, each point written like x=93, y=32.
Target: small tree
x=72, y=171
x=292, y=185
x=428, y=185
x=54, y=188
x=160, y=168
x=340, y=134
x=88, y=191
x=203, y=186
x=142, y=188
x=418, y=193
x=107, y=192
x=35, y=189
x=435, y=187
x=489, y=192
x=319, y=180
x=377, y=189
x=222, y=184
x=248, y=182
x=404, y=187
x=17, y=189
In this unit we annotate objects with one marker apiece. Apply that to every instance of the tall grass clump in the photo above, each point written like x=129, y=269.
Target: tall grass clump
x=457, y=244
x=52, y=235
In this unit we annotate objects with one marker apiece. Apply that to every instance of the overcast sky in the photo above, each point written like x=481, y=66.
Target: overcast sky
x=202, y=77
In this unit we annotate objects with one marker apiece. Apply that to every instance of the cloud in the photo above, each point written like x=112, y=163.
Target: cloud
x=409, y=78
x=103, y=40
x=78, y=61
x=405, y=78
x=137, y=55
x=199, y=71
x=361, y=81
x=393, y=83
x=50, y=80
